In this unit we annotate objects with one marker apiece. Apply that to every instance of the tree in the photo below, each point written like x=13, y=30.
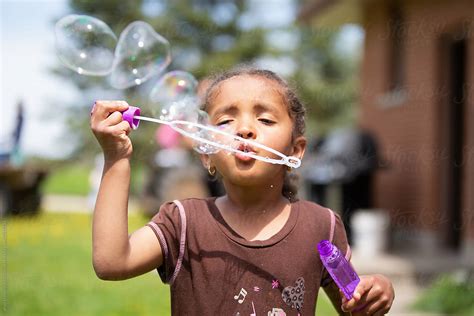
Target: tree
x=326, y=79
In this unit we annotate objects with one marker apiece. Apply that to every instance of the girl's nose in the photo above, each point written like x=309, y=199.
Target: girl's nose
x=246, y=132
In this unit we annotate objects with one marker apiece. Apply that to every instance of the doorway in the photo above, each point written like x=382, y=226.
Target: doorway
x=452, y=121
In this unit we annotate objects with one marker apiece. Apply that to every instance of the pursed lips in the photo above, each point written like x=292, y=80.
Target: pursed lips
x=246, y=148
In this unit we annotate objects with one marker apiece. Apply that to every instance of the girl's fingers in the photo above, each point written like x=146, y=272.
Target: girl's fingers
x=121, y=129
x=124, y=126
x=102, y=109
x=355, y=305
x=375, y=307
x=361, y=295
x=113, y=119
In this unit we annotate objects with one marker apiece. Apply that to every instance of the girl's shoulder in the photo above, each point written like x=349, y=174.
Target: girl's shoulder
x=318, y=217
x=189, y=204
x=312, y=208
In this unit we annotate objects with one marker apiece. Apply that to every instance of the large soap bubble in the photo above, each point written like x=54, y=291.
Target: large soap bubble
x=85, y=44
x=140, y=54
x=174, y=96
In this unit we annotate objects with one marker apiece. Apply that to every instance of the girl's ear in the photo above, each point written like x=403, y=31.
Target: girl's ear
x=299, y=147
x=205, y=160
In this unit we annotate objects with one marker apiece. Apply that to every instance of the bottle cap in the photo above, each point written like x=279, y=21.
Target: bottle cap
x=325, y=247
x=129, y=116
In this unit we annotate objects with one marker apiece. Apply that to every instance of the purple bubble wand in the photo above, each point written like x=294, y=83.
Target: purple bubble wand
x=132, y=116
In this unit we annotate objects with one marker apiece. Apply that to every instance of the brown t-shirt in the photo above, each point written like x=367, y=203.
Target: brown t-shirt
x=214, y=271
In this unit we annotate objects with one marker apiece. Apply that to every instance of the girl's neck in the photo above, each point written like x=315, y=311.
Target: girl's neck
x=255, y=214
x=254, y=201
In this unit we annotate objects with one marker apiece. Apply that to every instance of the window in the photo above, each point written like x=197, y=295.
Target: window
x=397, y=30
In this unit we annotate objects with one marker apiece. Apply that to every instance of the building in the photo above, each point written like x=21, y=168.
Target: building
x=417, y=98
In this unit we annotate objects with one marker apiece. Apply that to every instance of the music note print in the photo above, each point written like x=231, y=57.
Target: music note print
x=243, y=292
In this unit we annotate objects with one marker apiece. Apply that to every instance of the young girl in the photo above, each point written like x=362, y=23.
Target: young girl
x=249, y=252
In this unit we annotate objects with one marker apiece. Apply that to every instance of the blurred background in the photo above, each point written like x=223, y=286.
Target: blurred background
x=388, y=87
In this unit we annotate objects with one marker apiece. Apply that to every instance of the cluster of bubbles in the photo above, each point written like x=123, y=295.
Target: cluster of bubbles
x=88, y=46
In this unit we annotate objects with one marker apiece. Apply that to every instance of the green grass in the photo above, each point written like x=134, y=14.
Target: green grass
x=324, y=306
x=72, y=179
x=49, y=272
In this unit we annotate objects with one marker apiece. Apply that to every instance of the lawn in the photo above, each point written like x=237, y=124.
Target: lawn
x=49, y=272
x=70, y=179
x=73, y=179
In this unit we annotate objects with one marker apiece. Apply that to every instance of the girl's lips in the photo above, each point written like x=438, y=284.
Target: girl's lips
x=245, y=148
x=243, y=157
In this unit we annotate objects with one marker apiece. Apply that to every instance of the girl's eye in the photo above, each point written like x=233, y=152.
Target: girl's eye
x=266, y=121
x=224, y=122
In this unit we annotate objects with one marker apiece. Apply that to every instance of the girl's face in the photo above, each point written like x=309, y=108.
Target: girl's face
x=253, y=108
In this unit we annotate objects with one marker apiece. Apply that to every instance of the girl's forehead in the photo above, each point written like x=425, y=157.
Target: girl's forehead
x=244, y=88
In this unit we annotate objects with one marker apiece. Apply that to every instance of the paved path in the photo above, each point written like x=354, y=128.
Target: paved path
x=399, y=271
x=73, y=203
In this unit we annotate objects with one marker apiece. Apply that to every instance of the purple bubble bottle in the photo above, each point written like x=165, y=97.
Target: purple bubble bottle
x=338, y=267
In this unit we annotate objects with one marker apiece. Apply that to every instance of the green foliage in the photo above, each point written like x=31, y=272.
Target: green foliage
x=449, y=296
x=326, y=80
x=49, y=272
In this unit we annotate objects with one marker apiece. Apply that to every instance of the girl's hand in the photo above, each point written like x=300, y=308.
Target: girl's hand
x=110, y=130
x=374, y=295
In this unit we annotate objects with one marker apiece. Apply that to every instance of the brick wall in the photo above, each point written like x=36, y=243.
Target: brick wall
x=409, y=125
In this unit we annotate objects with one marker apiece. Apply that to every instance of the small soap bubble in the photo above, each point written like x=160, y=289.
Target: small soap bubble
x=85, y=44
x=203, y=147
x=173, y=92
x=140, y=54
x=222, y=135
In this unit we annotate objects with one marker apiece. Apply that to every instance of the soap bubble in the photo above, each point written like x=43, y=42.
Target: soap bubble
x=140, y=54
x=222, y=135
x=85, y=44
x=185, y=109
x=205, y=148
x=191, y=121
x=175, y=91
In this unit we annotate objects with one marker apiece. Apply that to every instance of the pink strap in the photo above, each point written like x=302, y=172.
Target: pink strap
x=331, y=234
x=160, y=235
x=333, y=225
x=348, y=253
x=328, y=279
x=182, y=240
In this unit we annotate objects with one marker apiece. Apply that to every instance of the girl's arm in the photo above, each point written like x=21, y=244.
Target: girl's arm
x=116, y=255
